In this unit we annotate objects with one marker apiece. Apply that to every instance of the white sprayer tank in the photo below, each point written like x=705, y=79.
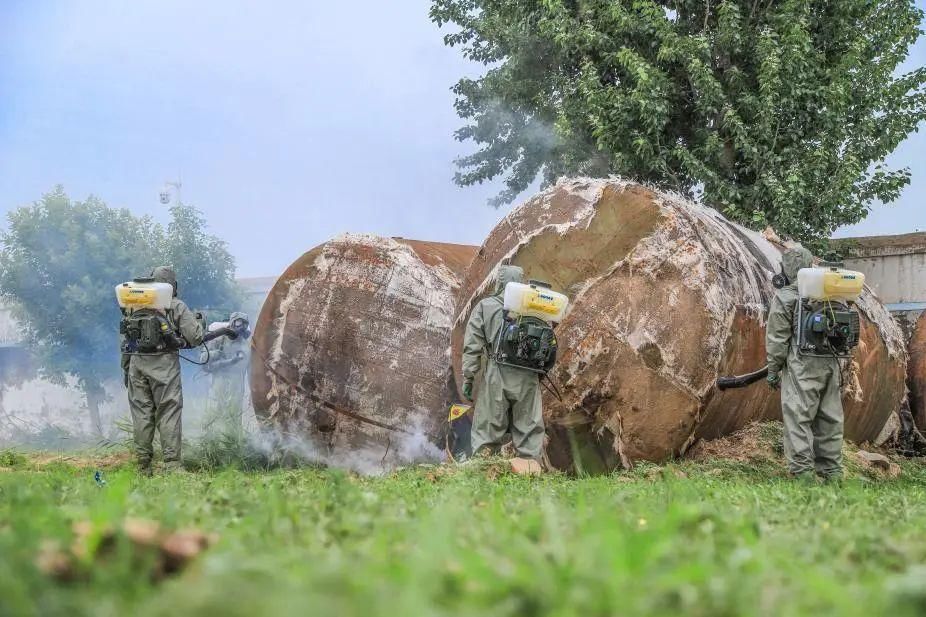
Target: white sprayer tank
x=830, y=284
x=534, y=300
x=144, y=295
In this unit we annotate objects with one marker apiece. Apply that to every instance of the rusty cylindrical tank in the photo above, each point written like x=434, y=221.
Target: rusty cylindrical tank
x=350, y=358
x=667, y=295
x=917, y=373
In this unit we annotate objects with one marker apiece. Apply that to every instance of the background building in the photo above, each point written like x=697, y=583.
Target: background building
x=894, y=268
x=256, y=290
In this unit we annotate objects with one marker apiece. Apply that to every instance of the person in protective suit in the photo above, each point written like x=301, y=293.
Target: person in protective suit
x=509, y=398
x=153, y=382
x=811, y=402
x=226, y=361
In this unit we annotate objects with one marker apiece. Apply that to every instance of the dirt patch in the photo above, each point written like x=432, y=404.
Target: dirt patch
x=760, y=444
x=81, y=461
x=876, y=464
x=755, y=442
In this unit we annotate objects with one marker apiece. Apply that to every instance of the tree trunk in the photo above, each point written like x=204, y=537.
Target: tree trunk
x=95, y=396
x=3, y=415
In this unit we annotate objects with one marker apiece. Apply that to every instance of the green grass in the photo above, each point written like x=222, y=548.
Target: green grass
x=710, y=538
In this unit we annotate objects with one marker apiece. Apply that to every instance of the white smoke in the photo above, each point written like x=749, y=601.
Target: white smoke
x=54, y=416
x=401, y=450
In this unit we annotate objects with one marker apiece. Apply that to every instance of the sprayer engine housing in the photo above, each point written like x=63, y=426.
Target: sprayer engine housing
x=827, y=328
x=528, y=343
x=148, y=331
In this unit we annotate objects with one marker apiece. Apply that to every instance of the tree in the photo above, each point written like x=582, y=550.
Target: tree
x=773, y=112
x=59, y=263
x=202, y=261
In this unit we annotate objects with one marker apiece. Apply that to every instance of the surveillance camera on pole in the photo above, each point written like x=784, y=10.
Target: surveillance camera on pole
x=169, y=189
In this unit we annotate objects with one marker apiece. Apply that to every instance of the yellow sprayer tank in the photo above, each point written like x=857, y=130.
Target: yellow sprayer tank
x=830, y=284
x=144, y=295
x=534, y=300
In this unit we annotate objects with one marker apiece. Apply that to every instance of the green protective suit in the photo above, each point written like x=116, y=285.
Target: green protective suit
x=508, y=398
x=811, y=402
x=155, y=391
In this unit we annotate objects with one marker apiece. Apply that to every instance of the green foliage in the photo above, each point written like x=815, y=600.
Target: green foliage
x=59, y=263
x=12, y=459
x=443, y=541
x=778, y=113
x=202, y=261
x=61, y=259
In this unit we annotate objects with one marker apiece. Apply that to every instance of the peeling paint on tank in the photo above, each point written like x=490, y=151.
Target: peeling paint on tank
x=294, y=288
x=890, y=330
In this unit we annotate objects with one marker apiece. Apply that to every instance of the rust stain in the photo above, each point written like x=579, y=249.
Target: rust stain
x=457, y=257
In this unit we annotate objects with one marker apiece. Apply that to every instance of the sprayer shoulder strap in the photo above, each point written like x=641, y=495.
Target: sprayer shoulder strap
x=169, y=314
x=506, y=319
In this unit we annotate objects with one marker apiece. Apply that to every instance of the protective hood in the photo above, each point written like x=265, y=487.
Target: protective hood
x=507, y=274
x=239, y=320
x=794, y=259
x=165, y=274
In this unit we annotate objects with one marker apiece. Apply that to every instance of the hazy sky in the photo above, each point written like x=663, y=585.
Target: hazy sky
x=289, y=121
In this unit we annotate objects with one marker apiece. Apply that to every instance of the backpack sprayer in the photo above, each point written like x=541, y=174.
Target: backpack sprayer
x=526, y=339
x=826, y=321
x=148, y=325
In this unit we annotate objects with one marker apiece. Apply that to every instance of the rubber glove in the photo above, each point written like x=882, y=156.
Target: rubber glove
x=468, y=390
x=774, y=380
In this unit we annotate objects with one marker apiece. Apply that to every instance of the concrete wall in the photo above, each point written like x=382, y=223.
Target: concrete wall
x=897, y=279
x=894, y=267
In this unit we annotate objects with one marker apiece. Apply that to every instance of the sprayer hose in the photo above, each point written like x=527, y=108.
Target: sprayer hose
x=741, y=381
